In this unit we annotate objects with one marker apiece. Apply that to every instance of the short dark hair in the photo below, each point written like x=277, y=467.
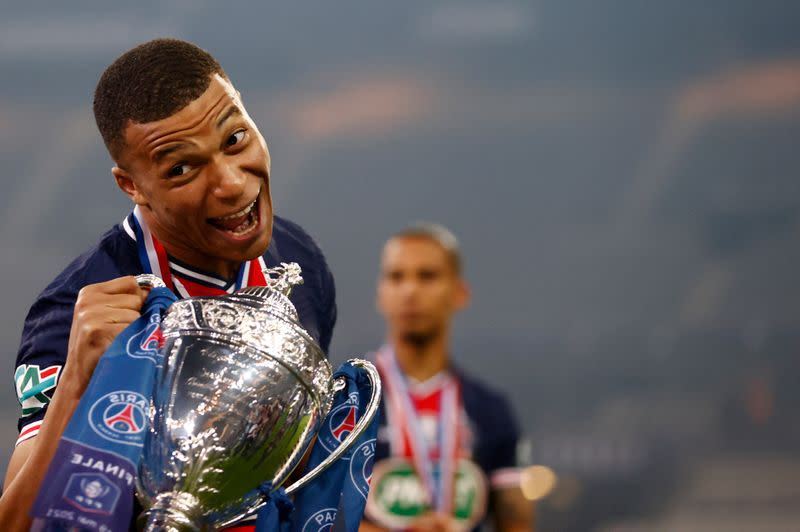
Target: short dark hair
x=438, y=234
x=150, y=82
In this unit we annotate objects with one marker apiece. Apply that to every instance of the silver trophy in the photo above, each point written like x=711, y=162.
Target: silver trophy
x=243, y=392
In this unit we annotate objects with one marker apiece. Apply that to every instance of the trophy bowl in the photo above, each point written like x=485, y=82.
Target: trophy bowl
x=242, y=393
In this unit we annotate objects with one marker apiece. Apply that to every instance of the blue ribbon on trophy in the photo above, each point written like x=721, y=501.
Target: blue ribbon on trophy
x=341, y=491
x=90, y=482
x=339, y=494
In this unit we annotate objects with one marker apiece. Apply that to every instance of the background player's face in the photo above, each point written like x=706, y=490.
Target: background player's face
x=418, y=289
x=201, y=177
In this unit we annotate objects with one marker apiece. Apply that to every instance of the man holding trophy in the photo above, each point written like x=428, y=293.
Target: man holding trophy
x=447, y=451
x=244, y=383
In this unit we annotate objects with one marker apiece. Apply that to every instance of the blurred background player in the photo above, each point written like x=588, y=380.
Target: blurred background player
x=446, y=452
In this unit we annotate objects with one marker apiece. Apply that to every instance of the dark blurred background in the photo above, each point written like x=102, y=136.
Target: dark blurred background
x=622, y=176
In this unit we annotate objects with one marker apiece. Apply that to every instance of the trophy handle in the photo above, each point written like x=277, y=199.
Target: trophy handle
x=361, y=426
x=149, y=280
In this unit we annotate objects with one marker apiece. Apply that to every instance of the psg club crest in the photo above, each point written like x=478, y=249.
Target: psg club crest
x=342, y=421
x=322, y=521
x=361, y=466
x=148, y=342
x=120, y=417
x=92, y=492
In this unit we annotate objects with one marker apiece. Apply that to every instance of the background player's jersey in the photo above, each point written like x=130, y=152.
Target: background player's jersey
x=43, y=348
x=487, y=436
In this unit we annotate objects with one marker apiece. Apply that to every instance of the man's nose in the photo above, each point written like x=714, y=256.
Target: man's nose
x=228, y=181
x=409, y=288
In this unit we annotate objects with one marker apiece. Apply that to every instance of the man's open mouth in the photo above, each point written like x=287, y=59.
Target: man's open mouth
x=238, y=223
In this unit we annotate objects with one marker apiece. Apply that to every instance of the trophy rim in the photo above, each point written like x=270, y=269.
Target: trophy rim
x=320, y=358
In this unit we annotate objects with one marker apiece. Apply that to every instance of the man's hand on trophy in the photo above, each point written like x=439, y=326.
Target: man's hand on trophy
x=102, y=311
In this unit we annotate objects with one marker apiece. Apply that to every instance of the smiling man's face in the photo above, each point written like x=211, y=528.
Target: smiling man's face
x=201, y=179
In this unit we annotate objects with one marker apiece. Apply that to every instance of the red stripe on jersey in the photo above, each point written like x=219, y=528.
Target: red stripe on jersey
x=427, y=404
x=49, y=371
x=256, y=276
x=29, y=432
x=30, y=428
x=163, y=261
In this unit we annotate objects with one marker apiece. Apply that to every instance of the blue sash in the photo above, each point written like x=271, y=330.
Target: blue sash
x=339, y=494
x=90, y=482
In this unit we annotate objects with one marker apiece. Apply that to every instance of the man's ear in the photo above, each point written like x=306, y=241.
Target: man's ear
x=463, y=295
x=126, y=184
x=378, y=299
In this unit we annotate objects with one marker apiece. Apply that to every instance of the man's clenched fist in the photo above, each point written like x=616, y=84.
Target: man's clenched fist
x=102, y=311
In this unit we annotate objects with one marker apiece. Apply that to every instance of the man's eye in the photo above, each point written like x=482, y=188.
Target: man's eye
x=427, y=275
x=236, y=138
x=178, y=170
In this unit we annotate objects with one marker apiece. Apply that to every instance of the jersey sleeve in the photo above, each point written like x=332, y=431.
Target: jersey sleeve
x=317, y=295
x=41, y=356
x=328, y=317
x=502, y=466
x=326, y=299
x=497, y=433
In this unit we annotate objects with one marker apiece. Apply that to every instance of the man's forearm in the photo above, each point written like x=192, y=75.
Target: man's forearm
x=512, y=512
x=25, y=477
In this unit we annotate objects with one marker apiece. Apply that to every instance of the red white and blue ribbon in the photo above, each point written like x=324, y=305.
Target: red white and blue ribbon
x=439, y=488
x=180, y=278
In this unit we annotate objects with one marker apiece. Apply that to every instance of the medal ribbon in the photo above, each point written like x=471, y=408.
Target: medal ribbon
x=402, y=409
x=154, y=259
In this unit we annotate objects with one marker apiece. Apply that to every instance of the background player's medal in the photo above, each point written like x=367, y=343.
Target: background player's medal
x=436, y=479
x=397, y=498
x=242, y=395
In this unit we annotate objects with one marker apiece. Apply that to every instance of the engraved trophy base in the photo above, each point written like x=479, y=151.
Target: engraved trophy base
x=172, y=512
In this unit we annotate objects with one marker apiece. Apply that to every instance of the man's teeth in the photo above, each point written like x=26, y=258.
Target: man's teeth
x=238, y=223
x=245, y=226
x=244, y=211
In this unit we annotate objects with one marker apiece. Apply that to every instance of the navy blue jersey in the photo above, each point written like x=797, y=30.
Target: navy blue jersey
x=43, y=348
x=489, y=437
